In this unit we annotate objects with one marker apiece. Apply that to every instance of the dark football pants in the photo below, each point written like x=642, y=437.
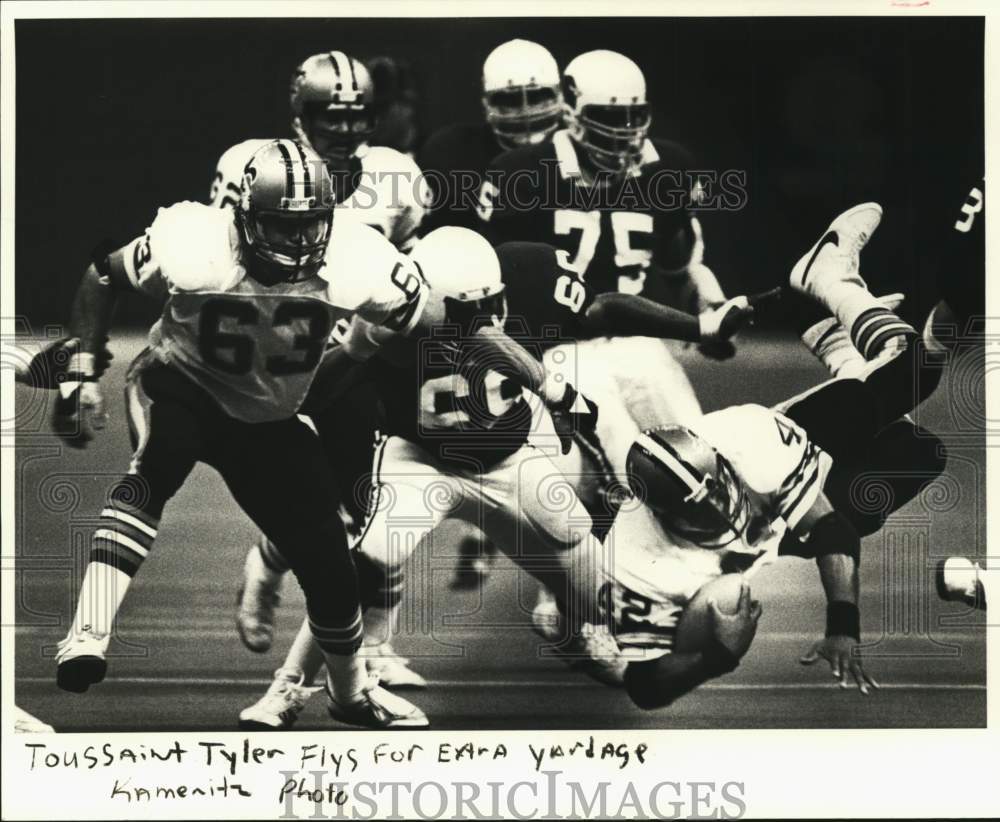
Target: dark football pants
x=880, y=459
x=347, y=434
x=276, y=471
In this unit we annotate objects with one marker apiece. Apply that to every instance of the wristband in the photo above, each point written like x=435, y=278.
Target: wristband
x=81, y=367
x=843, y=619
x=708, y=325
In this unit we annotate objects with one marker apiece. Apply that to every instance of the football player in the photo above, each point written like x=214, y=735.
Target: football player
x=333, y=103
x=741, y=486
x=618, y=202
x=619, y=205
x=522, y=106
x=251, y=297
x=465, y=434
x=522, y=103
x=960, y=267
x=959, y=318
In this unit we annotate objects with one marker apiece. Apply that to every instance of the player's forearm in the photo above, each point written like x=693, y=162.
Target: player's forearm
x=90, y=316
x=660, y=682
x=836, y=545
x=627, y=315
x=510, y=358
x=839, y=575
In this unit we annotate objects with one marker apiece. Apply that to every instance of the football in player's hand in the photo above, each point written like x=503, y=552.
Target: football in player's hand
x=696, y=625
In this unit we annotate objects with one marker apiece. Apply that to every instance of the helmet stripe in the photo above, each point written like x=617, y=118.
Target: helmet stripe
x=666, y=455
x=306, y=175
x=333, y=60
x=289, y=172
x=354, y=77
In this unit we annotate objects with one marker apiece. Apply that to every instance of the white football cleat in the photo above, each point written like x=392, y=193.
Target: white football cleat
x=957, y=580
x=375, y=707
x=834, y=257
x=257, y=600
x=278, y=709
x=80, y=660
x=392, y=670
x=25, y=723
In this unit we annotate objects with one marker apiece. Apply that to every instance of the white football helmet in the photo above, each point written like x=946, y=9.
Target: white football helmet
x=461, y=267
x=521, y=93
x=606, y=109
x=332, y=97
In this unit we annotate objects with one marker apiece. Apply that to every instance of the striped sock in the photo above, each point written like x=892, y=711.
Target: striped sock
x=118, y=547
x=124, y=537
x=343, y=639
x=878, y=331
x=347, y=677
x=271, y=556
x=874, y=329
x=832, y=346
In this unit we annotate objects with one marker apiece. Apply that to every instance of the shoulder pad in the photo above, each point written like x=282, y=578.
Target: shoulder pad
x=382, y=159
x=195, y=246
x=355, y=249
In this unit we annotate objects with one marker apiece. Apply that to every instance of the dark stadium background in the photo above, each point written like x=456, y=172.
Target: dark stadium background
x=118, y=117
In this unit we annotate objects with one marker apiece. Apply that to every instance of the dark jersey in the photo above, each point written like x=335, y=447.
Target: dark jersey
x=454, y=160
x=613, y=233
x=453, y=403
x=961, y=258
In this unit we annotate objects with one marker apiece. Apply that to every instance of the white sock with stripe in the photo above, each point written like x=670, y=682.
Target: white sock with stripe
x=874, y=329
x=346, y=671
x=101, y=595
x=832, y=346
x=305, y=655
x=119, y=546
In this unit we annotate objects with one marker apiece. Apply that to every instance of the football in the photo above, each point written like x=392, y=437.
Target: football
x=695, y=626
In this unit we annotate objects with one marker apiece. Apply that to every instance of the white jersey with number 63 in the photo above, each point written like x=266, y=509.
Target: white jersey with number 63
x=255, y=348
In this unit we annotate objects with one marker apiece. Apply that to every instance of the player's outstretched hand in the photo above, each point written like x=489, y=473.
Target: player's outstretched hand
x=78, y=415
x=837, y=650
x=54, y=364
x=720, y=323
x=735, y=631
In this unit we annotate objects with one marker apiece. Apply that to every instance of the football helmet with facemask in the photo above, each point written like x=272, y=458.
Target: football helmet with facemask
x=461, y=267
x=521, y=93
x=285, y=212
x=693, y=489
x=333, y=102
x=606, y=109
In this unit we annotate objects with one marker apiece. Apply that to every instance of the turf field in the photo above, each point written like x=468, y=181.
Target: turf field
x=179, y=664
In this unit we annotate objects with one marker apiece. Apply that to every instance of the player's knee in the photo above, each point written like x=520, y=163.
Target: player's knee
x=315, y=548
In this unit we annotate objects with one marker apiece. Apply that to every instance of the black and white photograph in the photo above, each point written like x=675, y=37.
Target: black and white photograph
x=485, y=374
